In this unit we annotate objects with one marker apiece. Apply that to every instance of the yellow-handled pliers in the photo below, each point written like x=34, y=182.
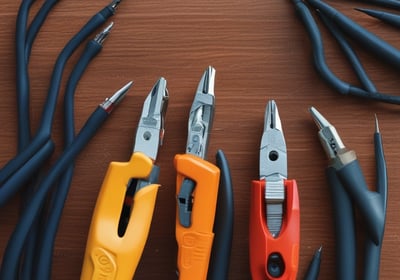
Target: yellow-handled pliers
x=125, y=205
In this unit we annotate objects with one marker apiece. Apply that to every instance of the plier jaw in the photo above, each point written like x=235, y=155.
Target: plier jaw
x=274, y=210
x=201, y=115
x=273, y=155
x=330, y=139
x=150, y=131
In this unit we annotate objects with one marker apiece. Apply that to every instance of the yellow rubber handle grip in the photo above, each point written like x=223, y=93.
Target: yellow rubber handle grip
x=109, y=256
x=195, y=242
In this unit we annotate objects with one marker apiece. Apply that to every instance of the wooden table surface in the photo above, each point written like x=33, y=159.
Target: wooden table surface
x=260, y=51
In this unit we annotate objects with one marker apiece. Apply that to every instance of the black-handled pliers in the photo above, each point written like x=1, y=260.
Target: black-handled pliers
x=349, y=192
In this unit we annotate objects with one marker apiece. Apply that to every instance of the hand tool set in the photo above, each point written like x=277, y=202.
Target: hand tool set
x=204, y=219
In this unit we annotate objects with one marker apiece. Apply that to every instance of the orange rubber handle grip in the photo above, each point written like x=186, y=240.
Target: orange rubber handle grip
x=109, y=256
x=195, y=241
x=263, y=245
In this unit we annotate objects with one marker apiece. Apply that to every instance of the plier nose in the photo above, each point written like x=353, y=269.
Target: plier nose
x=151, y=128
x=201, y=115
x=273, y=155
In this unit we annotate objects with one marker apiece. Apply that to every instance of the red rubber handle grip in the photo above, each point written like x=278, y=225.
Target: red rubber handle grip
x=262, y=245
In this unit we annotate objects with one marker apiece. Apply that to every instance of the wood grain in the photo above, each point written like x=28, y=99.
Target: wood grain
x=260, y=51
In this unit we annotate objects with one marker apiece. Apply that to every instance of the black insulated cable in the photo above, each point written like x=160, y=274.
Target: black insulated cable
x=39, y=143
x=22, y=78
x=13, y=252
x=320, y=61
x=49, y=228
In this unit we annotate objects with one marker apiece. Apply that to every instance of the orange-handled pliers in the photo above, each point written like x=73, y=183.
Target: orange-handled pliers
x=274, y=212
x=197, y=187
x=125, y=205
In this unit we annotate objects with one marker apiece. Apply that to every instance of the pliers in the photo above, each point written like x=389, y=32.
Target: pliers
x=274, y=232
x=203, y=190
x=349, y=191
x=125, y=205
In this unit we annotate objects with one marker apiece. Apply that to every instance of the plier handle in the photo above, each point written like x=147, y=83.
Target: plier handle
x=274, y=232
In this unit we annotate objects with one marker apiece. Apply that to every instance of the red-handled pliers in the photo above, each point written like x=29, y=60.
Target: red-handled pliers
x=274, y=208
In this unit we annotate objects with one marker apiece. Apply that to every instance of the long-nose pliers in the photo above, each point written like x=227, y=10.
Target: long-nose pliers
x=204, y=218
x=274, y=209
x=349, y=192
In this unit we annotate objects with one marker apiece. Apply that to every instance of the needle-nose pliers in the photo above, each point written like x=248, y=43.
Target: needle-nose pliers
x=204, y=218
x=274, y=228
x=349, y=192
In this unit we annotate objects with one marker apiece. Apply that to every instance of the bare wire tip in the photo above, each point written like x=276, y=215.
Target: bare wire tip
x=376, y=124
x=115, y=3
x=112, y=101
x=121, y=92
x=102, y=36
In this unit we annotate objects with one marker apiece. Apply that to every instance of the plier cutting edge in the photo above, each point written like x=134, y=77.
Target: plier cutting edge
x=125, y=205
x=199, y=185
x=274, y=233
x=349, y=191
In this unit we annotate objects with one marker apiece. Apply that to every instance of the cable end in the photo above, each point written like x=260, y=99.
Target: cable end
x=114, y=4
x=376, y=125
x=102, y=36
x=109, y=103
x=369, y=12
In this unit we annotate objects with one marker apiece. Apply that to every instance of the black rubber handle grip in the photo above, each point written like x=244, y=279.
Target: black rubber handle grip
x=369, y=203
x=345, y=233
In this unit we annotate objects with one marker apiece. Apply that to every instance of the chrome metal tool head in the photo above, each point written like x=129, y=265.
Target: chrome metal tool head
x=273, y=156
x=150, y=131
x=102, y=36
x=201, y=115
x=273, y=168
x=110, y=102
x=328, y=135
